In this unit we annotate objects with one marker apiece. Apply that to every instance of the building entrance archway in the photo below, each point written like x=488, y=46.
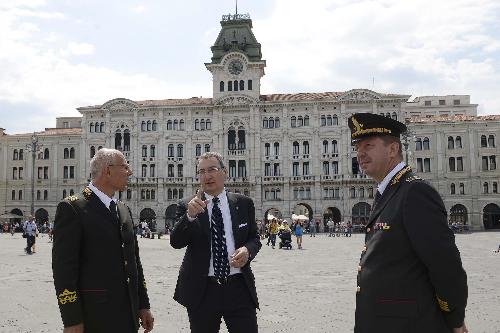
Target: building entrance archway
x=491, y=216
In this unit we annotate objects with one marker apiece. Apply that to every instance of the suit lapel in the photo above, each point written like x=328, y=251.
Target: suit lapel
x=99, y=206
x=204, y=221
x=122, y=214
x=233, y=209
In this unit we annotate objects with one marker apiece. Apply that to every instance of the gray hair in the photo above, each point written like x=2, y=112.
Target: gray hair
x=213, y=154
x=103, y=158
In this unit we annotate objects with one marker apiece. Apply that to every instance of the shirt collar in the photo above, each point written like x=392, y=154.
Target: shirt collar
x=381, y=187
x=222, y=196
x=102, y=196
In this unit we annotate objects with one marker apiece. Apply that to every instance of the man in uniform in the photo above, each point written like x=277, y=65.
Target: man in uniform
x=98, y=275
x=410, y=276
x=219, y=230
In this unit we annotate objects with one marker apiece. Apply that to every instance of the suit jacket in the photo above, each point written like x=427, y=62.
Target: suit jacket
x=410, y=276
x=193, y=273
x=96, y=265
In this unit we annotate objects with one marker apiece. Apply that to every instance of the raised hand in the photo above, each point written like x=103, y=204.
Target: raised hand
x=197, y=205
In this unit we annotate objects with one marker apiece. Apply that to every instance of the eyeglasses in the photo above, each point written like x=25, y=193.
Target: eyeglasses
x=209, y=171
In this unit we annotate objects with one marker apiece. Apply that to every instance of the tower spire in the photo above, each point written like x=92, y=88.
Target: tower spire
x=236, y=8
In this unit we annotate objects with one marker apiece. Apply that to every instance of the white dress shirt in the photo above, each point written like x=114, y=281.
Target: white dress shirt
x=102, y=196
x=228, y=229
x=381, y=187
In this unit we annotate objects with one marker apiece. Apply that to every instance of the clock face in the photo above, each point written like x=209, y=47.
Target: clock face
x=235, y=67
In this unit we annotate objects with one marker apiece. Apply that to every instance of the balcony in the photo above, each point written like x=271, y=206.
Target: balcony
x=302, y=179
x=234, y=152
x=272, y=179
x=233, y=180
x=331, y=177
x=175, y=180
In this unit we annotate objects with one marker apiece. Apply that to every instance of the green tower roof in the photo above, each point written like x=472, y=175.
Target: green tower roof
x=236, y=36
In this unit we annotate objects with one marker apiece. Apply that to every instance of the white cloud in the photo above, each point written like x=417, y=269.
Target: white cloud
x=139, y=9
x=80, y=48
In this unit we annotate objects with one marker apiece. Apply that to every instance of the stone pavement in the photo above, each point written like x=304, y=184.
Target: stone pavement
x=310, y=290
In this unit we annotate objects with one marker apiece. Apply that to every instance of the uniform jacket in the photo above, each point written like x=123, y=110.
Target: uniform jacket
x=97, y=270
x=195, y=235
x=410, y=276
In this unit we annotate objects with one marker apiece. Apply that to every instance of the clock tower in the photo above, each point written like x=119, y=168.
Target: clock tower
x=237, y=64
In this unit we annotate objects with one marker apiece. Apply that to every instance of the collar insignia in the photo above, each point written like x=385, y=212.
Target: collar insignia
x=87, y=193
x=400, y=174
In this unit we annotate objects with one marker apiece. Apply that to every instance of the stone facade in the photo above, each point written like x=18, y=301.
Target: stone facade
x=290, y=152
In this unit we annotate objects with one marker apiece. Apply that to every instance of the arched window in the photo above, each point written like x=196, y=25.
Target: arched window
x=66, y=153
x=293, y=122
x=458, y=142
x=265, y=123
x=462, y=188
x=207, y=148
x=426, y=143
x=144, y=151
x=249, y=85
x=144, y=169
x=329, y=121
x=267, y=149
x=16, y=155
x=169, y=194
x=235, y=85
x=221, y=86
x=323, y=121
x=418, y=144
x=361, y=192
x=271, y=122
x=451, y=143
x=180, y=170
x=46, y=154
x=169, y=125
x=242, y=85
x=484, y=143
x=174, y=193
x=325, y=147
x=300, y=121
x=335, y=167
x=306, y=121
x=491, y=141
x=353, y=192
x=305, y=145
x=64, y=194
x=335, y=149
x=180, y=150
x=143, y=126
x=326, y=168
x=181, y=125
x=154, y=125
x=485, y=188
x=72, y=152
x=231, y=139
x=170, y=150
x=176, y=124
x=170, y=170
x=495, y=187
x=198, y=150
x=208, y=124
x=92, y=151
x=196, y=125
x=277, y=122
x=335, y=120
x=91, y=127
x=152, y=151
x=148, y=125
x=394, y=116
x=202, y=124
x=296, y=148
x=388, y=115
x=102, y=127
x=452, y=188
x=276, y=148
x=230, y=86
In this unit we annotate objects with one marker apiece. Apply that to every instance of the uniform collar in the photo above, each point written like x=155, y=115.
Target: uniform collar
x=102, y=196
x=382, y=186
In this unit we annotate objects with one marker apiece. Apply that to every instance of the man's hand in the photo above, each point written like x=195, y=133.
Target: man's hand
x=147, y=320
x=462, y=329
x=240, y=257
x=196, y=205
x=74, y=329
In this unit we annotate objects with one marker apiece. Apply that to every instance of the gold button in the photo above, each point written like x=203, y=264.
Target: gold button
x=359, y=268
x=128, y=280
x=358, y=289
x=368, y=229
x=123, y=245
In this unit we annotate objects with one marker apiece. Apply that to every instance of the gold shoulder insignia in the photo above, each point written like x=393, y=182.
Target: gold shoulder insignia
x=400, y=174
x=71, y=198
x=67, y=296
x=87, y=193
x=413, y=178
x=443, y=305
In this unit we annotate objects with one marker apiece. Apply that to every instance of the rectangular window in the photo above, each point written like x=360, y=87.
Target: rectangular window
x=420, y=165
x=65, y=172
x=45, y=172
x=456, y=102
x=232, y=169
x=72, y=172
x=493, y=163
x=427, y=103
x=250, y=84
x=40, y=172
x=427, y=165
x=484, y=165
x=305, y=169
x=295, y=169
x=460, y=164
x=442, y=102
x=267, y=169
x=152, y=170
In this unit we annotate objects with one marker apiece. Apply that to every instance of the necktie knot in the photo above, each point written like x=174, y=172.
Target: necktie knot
x=215, y=200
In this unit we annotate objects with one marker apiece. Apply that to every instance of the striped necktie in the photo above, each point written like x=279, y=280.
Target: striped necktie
x=219, y=248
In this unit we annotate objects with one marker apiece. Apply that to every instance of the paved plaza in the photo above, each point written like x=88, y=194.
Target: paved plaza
x=310, y=290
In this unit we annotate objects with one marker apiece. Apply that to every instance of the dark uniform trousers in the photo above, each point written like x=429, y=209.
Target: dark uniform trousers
x=410, y=275
x=205, y=300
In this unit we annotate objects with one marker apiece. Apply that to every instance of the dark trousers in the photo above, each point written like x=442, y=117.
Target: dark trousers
x=30, y=241
x=231, y=301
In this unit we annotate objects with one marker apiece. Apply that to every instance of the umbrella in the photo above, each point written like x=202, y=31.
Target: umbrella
x=8, y=216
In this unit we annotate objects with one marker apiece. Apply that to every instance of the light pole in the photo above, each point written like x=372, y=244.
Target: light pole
x=407, y=135
x=34, y=147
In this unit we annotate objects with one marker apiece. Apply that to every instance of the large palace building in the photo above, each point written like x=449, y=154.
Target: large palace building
x=290, y=152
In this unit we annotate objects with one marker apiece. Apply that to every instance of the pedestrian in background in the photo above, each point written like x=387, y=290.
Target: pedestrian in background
x=312, y=228
x=299, y=231
x=31, y=231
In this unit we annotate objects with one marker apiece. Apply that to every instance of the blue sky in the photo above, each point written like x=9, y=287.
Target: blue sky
x=58, y=55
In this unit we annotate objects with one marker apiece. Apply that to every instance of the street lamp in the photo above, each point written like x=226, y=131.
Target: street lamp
x=34, y=147
x=407, y=136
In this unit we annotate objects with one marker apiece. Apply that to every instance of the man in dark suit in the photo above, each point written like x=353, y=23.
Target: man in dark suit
x=410, y=276
x=219, y=229
x=97, y=270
